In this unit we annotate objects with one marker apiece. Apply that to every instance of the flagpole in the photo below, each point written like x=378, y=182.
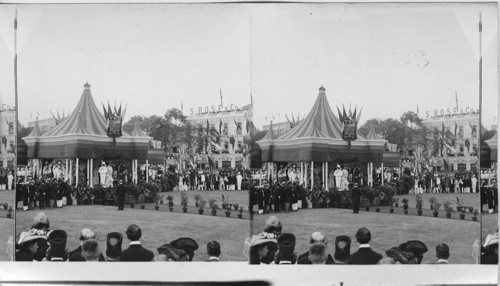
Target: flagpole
x=16, y=99
x=480, y=94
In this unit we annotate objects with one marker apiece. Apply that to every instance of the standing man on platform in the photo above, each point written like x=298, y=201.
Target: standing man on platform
x=120, y=194
x=355, y=197
x=103, y=170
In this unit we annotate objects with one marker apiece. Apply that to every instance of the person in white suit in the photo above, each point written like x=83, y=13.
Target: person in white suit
x=103, y=171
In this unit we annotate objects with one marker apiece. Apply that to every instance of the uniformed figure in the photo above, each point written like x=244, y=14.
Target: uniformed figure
x=355, y=198
x=120, y=194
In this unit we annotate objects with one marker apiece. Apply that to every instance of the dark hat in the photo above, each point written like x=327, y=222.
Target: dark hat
x=286, y=246
x=399, y=255
x=443, y=251
x=213, y=248
x=114, y=244
x=185, y=243
x=342, y=247
x=416, y=247
x=171, y=252
x=57, y=240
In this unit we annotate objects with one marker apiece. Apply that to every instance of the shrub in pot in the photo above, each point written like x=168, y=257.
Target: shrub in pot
x=405, y=205
x=419, y=204
x=435, y=209
x=212, y=203
x=448, y=208
x=197, y=198
x=184, y=201
x=170, y=201
x=240, y=212
x=201, y=205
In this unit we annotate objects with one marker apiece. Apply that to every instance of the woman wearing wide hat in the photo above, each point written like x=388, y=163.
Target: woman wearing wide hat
x=28, y=245
x=256, y=247
x=186, y=244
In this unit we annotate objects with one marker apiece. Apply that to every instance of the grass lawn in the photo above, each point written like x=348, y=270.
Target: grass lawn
x=158, y=227
x=388, y=230
x=489, y=224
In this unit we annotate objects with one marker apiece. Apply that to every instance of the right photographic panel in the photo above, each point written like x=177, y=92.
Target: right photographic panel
x=370, y=145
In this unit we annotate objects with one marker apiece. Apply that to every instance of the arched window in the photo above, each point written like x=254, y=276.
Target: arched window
x=461, y=132
x=238, y=128
x=226, y=129
x=474, y=131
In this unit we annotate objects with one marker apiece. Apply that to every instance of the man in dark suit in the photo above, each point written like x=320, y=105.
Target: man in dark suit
x=355, y=198
x=135, y=252
x=213, y=249
x=120, y=195
x=76, y=254
x=315, y=237
x=364, y=255
x=442, y=253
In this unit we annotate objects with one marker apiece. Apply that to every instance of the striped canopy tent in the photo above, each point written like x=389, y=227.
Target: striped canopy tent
x=493, y=145
x=83, y=136
x=318, y=138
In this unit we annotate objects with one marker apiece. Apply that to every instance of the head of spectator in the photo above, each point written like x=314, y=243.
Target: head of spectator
x=113, y=246
x=442, y=252
x=386, y=260
x=90, y=250
x=273, y=225
x=416, y=247
x=363, y=235
x=286, y=248
x=317, y=253
x=257, y=247
x=186, y=244
x=342, y=249
x=28, y=245
x=41, y=221
x=87, y=234
x=133, y=232
x=213, y=249
x=400, y=256
x=318, y=237
x=57, y=251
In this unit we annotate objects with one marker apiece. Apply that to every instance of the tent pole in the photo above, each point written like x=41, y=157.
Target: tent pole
x=260, y=177
x=147, y=171
x=71, y=172
x=91, y=171
x=382, y=172
x=326, y=174
x=77, y=168
x=312, y=174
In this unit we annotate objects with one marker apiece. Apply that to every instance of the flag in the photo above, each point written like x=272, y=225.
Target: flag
x=235, y=123
x=442, y=129
x=456, y=126
x=210, y=162
x=208, y=127
x=220, y=91
x=215, y=145
x=182, y=106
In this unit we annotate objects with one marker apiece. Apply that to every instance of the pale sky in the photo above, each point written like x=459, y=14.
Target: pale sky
x=385, y=58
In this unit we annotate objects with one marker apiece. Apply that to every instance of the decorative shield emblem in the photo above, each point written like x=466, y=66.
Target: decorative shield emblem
x=114, y=120
x=349, y=125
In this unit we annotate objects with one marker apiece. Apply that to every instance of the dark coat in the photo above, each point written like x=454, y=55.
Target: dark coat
x=356, y=196
x=304, y=259
x=137, y=253
x=120, y=193
x=24, y=255
x=364, y=256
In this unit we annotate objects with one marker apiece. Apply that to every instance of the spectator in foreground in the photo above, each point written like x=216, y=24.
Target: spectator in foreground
x=57, y=246
x=186, y=244
x=315, y=237
x=273, y=227
x=442, y=253
x=90, y=250
x=28, y=245
x=364, y=255
x=317, y=254
x=416, y=247
x=113, y=246
x=213, y=249
x=76, y=254
x=135, y=252
x=286, y=248
x=41, y=227
x=256, y=247
x=342, y=249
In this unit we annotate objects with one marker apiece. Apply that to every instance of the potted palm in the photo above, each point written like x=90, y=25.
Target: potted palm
x=419, y=204
x=225, y=201
x=157, y=201
x=391, y=209
x=376, y=202
x=201, y=205
x=236, y=206
x=432, y=200
x=9, y=212
x=240, y=212
x=161, y=199
x=405, y=205
x=474, y=218
x=142, y=201
x=197, y=198
x=228, y=210
x=170, y=201
x=212, y=203
x=184, y=202
x=461, y=209
x=5, y=205
x=448, y=208
x=435, y=208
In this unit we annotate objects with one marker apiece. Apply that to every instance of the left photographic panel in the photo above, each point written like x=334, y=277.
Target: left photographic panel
x=134, y=124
